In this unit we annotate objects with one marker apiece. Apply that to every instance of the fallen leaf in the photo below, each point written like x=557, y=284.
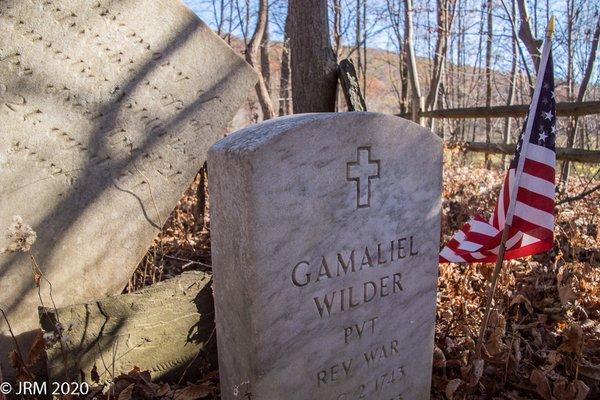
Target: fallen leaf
x=439, y=359
x=193, y=392
x=494, y=344
x=566, y=294
x=451, y=388
x=554, y=358
x=563, y=391
x=582, y=390
x=542, y=386
x=520, y=299
x=126, y=393
x=476, y=372
x=572, y=340
x=163, y=389
x=37, y=349
x=590, y=371
x=517, y=351
x=576, y=390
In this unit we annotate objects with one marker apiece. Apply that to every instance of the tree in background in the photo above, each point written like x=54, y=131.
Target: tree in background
x=252, y=57
x=285, y=80
x=449, y=56
x=314, y=66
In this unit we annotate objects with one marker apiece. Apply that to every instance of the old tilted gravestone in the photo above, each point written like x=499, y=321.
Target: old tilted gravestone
x=159, y=329
x=325, y=240
x=107, y=109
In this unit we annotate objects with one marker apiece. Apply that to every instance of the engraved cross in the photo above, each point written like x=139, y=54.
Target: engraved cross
x=362, y=171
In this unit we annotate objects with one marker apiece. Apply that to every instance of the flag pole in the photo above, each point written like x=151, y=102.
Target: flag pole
x=513, y=198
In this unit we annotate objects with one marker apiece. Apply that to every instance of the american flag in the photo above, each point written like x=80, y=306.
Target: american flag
x=526, y=201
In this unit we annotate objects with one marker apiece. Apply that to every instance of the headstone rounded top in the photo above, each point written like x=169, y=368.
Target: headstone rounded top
x=255, y=136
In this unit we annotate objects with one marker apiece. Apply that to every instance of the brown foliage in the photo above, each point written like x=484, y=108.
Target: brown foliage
x=544, y=334
x=543, y=340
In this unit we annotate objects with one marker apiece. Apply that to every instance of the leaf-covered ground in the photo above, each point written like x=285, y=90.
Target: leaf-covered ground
x=543, y=340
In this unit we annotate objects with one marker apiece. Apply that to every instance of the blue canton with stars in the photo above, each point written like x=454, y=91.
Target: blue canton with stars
x=543, y=131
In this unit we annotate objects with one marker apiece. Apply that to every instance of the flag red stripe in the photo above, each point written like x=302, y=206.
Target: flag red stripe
x=478, y=238
x=531, y=195
x=528, y=250
x=531, y=229
x=535, y=200
x=539, y=169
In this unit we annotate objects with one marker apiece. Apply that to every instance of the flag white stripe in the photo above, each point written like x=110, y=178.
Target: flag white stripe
x=483, y=228
x=459, y=236
x=537, y=185
x=528, y=239
x=469, y=246
x=514, y=240
x=534, y=215
x=541, y=154
x=450, y=255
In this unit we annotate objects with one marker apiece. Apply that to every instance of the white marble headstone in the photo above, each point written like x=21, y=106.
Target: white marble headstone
x=107, y=109
x=325, y=240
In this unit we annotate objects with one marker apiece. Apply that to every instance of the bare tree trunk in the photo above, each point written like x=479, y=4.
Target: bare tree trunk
x=461, y=53
x=337, y=28
x=252, y=54
x=265, y=65
x=488, y=77
x=337, y=44
x=444, y=24
x=532, y=44
x=475, y=81
x=314, y=67
x=403, y=70
x=358, y=38
x=403, y=61
x=285, y=89
x=572, y=128
x=412, y=65
x=512, y=86
x=219, y=15
x=243, y=20
x=230, y=23
x=570, y=23
x=364, y=46
x=394, y=13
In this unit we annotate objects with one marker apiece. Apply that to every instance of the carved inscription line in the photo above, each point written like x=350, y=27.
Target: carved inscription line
x=68, y=20
x=350, y=262
x=36, y=118
x=135, y=38
x=150, y=121
x=79, y=67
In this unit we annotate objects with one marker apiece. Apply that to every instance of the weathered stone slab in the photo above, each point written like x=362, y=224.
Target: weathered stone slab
x=107, y=109
x=325, y=239
x=159, y=329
